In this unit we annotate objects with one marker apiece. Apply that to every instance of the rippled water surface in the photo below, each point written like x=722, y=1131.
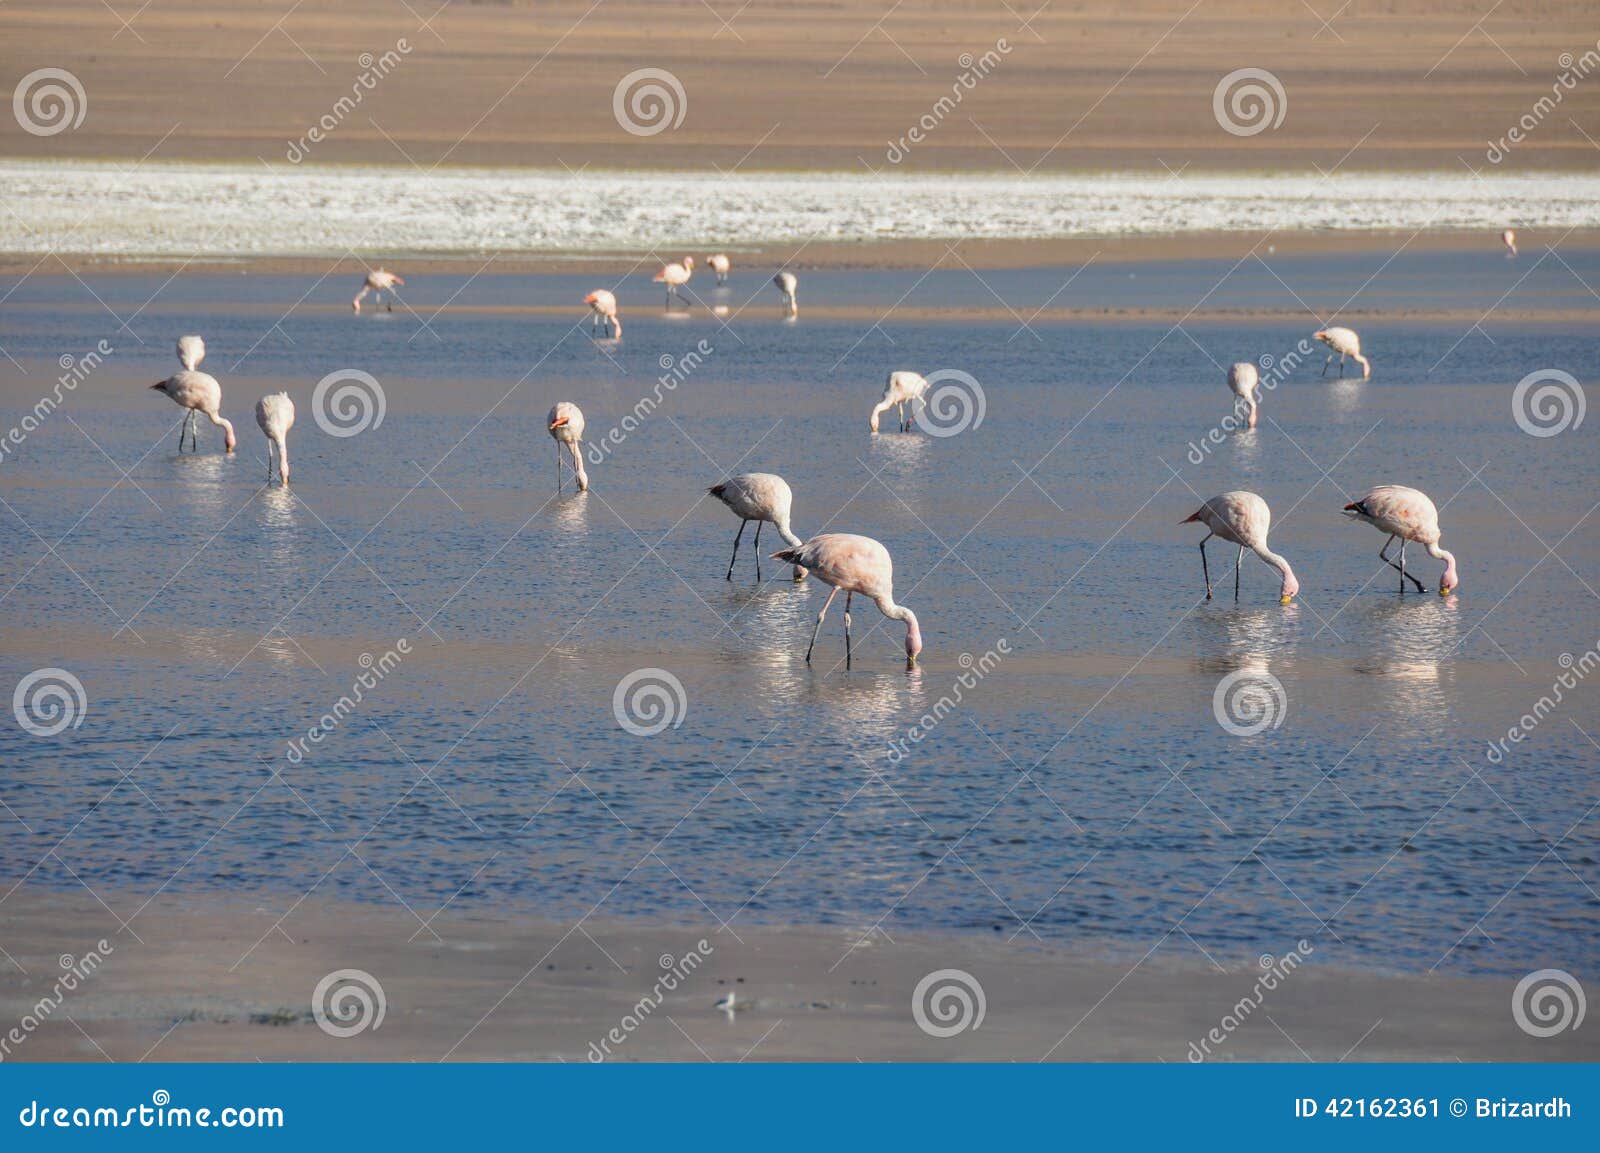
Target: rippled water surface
x=1082, y=790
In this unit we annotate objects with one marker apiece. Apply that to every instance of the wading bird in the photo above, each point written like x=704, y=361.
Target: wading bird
x=566, y=427
x=1509, y=239
x=378, y=281
x=197, y=392
x=672, y=275
x=787, y=284
x=1243, y=379
x=856, y=564
x=1242, y=518
x=720, y=265
x=901, y=387
x=1345, y=342
x=604, y=307
x=191, y=351
x=1410, y=515
x=765, y=498
x=275, y=415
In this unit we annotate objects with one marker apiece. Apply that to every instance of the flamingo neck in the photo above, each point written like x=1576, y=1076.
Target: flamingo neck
x=1290, y=583
x=896, y=612
x=882, y=406
x=1449, y=559
x=283, y=457
x=577, y=464
x=787, y=534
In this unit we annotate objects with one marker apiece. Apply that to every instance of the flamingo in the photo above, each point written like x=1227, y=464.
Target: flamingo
x=1509, y=239
x=566, y=427
x=197, y=392
x=1345, y=342
x=191, y=351
x=1243, y=379
x=765, y=498
x=720, y=265
x=857, y=564
x=378, y=281
x=1242, y=518
x=900, y=388
x=673, y=275
x=604, y=307
x=275, y=415
x=1408, y=514
x=787, y=284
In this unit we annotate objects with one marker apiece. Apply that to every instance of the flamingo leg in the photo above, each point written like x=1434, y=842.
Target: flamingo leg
x=269, y=464
x=1383, y=555
x=1341, y=366
x=757, y=548
x=818, y=629
x=735, y=555
x=1204, y=568
x=847, y=599
x=558, y=467
x=1239, y=564
x=1325, y=365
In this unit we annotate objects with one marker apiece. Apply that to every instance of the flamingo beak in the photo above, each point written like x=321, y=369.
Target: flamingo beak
x=158, y=384
x=1285, y=600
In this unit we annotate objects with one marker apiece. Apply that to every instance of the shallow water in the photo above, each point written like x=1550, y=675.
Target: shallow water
x=1083, y=790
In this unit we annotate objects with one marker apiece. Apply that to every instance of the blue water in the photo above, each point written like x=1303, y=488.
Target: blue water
x=1083, y=791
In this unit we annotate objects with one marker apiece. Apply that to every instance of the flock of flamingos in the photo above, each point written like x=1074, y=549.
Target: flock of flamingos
x=859, y=564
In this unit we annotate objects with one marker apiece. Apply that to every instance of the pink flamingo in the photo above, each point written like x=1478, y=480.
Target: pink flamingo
x=672, y=275
x=1243, y=379
x=720, y=265
x=197, y=392
x=604, y=307
x=1243, y=519
x=857, y=564
x=1509, y=239
x=1345, y=342
x=275, y=416
x=787, y=284
x=378, y=281
x=566, y=428
x=901, y=387
x=191, y=351
x=765, y=498
x=1408, y=514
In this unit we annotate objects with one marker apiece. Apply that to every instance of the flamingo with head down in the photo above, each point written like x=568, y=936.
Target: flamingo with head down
x=787, y=284
x=197, y=392
x=856, y=564
x=1408, y=514
x=1344, y=342
x=900, y=389
x=379, y=281
x=566, y=428
x=1509, y=239
x=763, y=497
x=1245, y=381
x=275, y=417
x=603, y=305
x=720, y=265
x=1242, y=518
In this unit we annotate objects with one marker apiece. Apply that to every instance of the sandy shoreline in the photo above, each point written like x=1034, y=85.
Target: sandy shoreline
x=220, y=981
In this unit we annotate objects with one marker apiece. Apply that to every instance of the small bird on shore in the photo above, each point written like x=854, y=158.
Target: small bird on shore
x=1242, y=518
x=1243, y=379
x=763, y=497
x=898, y=390
x=566, y=428
x=1344, y=342
x=603, y=306
x=720, y=265
x=856, y=564
x=378, y=281
x=673, y=275
x=787, y=284
x=197, y=392
x=1408, y=514
x=275, y=416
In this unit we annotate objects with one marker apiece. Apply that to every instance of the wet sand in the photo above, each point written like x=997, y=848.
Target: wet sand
x=231, y=982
